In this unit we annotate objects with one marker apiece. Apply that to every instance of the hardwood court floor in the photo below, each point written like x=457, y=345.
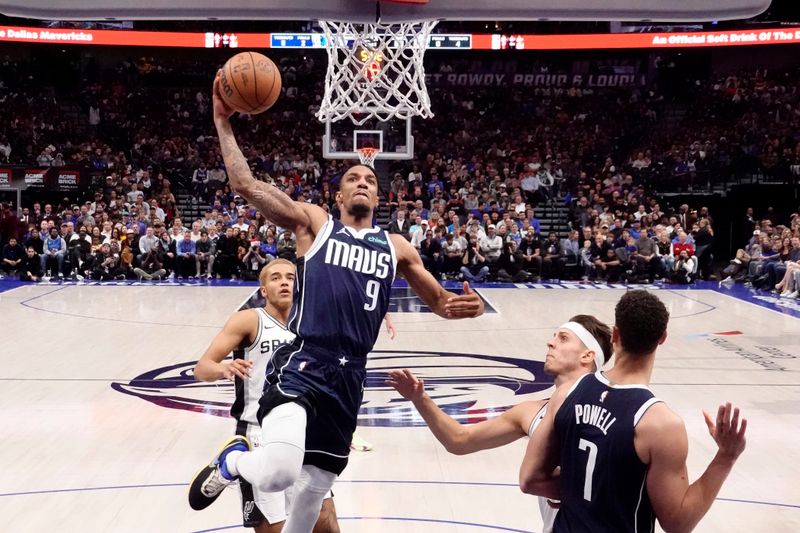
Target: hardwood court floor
x=101, y=426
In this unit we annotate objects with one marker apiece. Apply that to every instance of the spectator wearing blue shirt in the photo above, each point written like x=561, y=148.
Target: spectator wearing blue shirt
x=54, y=249
x=186, y=256
x=433, y=183
x=454, y=224
x=676, y=238
x=421, y=211
x=514, y=234
x=269, y=247
x=634, y=231
x=537, y=227
x=75, y=215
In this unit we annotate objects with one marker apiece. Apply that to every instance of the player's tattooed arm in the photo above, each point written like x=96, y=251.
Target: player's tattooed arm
x=270, y=201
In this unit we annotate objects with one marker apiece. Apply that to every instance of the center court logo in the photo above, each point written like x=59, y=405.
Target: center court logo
x=469, y=387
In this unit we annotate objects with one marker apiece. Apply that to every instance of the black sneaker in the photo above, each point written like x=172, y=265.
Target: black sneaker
x=208, y=483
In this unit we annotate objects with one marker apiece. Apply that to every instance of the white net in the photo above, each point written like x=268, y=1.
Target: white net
x=366, y=156
x=375, y=71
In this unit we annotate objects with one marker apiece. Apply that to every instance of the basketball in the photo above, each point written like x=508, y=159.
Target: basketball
x=250, y=83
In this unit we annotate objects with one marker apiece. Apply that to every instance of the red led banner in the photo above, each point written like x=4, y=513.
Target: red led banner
x=478, y=41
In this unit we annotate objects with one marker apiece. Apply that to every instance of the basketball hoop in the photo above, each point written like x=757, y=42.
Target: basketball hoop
x=375, y=71
x=367, y=156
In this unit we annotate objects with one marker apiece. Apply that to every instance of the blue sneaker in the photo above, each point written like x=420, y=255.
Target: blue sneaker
x=208, y=483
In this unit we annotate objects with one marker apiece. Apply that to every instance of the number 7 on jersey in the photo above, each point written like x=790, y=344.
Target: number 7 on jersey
x=584, y=444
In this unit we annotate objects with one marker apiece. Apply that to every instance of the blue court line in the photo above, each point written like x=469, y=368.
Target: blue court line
x=91, y=489
x=400, y=519
x=122, y=320
x=678, y=293
x=25, y=302
x=359, y=481
x=776, y=304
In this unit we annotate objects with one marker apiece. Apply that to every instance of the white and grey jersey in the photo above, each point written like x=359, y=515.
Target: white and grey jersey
x=548, y=513
x=271, y=335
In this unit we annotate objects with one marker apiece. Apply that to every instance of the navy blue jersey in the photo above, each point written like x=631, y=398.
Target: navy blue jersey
x=342, y=289
x=602, y=478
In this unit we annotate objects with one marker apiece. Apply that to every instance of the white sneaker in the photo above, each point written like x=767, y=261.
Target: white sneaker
x=786, y=293
x=359, y=444
x=793, y=295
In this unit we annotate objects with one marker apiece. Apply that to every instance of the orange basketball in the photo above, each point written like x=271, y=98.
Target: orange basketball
x=250, y=83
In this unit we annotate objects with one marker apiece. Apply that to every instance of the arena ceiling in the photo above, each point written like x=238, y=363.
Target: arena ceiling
x=365, y=10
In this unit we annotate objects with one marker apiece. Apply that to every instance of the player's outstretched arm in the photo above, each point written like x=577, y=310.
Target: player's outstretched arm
x=273, y=203
x=443, y=303
x=456, y=438
x=661, y=433
x=238, y=330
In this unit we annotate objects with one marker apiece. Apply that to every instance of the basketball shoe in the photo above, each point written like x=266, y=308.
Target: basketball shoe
x=211, y=480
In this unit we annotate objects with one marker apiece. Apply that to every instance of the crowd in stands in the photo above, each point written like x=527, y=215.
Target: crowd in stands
x=770, y=259
x=468, y=202
x=123, y=239
x=735, y=126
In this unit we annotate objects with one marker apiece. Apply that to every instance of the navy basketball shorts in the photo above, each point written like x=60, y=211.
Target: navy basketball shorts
x=330, y=387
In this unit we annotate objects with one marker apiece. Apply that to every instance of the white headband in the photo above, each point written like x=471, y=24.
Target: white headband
x=587, y=339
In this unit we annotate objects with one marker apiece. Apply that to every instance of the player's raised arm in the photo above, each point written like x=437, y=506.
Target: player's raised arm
x=457, y=438
x=235, y=332
x=661, y=434
x=443, y=303
x=273, y=203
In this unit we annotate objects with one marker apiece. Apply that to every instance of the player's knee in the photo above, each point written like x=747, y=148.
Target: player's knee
x=280, y=478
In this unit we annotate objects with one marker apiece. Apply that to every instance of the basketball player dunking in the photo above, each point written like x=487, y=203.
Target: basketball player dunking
x=341, y=294
x=253, y=335
x=572, y=352
x=621, y=451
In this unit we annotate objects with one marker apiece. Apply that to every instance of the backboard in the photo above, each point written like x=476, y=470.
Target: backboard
x=366, y=10
x=393, y=138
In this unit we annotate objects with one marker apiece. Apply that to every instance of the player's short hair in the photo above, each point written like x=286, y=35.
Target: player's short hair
x=264, y=275
x=641, y=319
x=600, y=331
x=372, y=169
